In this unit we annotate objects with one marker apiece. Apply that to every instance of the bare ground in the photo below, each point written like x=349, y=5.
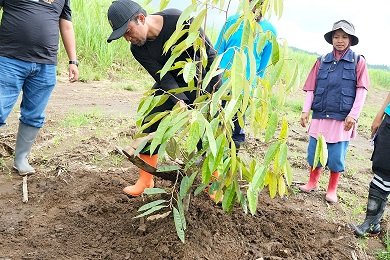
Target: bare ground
x=76, y=209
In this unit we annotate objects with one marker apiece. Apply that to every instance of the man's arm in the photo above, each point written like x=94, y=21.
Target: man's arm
x=379, y=116
x=68, y=38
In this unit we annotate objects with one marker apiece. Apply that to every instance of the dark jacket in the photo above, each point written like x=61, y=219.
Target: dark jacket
x=335, y=90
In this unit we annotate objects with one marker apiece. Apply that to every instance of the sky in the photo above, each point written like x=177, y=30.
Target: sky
x=304, y=23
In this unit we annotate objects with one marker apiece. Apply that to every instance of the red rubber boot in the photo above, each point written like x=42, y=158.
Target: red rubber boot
x=331, y=193
x=314, y=177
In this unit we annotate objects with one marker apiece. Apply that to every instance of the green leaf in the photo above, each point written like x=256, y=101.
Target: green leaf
x=153, y=191
x=198, y=20
x=200, y=189
x=288, y=174
x=177, y=34
x=293, y=79
x=167, y=66
x=272, y=125
x=237, y=73
x=275, y=51
x=324, y=151
x=272, y=185
x=232, y=29
x=282, y=154
x=281, y=186
x=252, y=197
x=189, y=71
x=150, y=211
x=156, y=118
x=186, y=14
x=284, y=131
x=163, y=4
x=168, y=168
x=184, y=187
x=228, y=198
x=271, y=152
x=317, y=152
x=258, y=178
x=194, y=136
x=151, y=205
x=162, y=128
x=178, y=224
x=211, y=139
x=180, y=208
x=212, y=72
x=206, y=173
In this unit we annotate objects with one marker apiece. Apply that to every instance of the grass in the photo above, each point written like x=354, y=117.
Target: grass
x=385, y=254
x=76, y=119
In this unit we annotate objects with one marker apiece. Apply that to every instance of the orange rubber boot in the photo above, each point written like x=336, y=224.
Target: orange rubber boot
x=331, y=193
x=145, y=179
x=314, y=177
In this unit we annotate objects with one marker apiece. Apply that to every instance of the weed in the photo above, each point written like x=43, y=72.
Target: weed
x=77, y=119
x=385, y=254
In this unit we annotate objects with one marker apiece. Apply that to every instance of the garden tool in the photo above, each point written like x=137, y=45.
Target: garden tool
x=375, y=207
x=331, y=193
x=24, y=141
x=145, y=179
x=314, y=177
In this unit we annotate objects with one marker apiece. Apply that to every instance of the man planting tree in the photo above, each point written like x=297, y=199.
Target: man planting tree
x=147, y=35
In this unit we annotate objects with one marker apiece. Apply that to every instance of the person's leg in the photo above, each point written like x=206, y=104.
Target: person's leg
x=336, y=164
x=238, y=133
x=37, y=89
x=314, y=176
x=376, y=203
x=380, y=184
x=13, y=72
x=145, y=179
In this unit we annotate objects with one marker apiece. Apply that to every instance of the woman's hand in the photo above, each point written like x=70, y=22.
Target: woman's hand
x=304, y=118
x=349, y=122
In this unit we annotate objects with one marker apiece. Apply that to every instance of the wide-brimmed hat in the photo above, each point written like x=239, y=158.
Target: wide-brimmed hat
x=119, y=14
x=347, y=27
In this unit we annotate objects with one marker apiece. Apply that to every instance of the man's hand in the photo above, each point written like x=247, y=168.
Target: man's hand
x=304, y=119
x=349, y=122
x=375, y=125
x=73, y=73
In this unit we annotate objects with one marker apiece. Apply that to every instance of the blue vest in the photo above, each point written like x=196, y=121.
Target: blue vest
x=335, y=88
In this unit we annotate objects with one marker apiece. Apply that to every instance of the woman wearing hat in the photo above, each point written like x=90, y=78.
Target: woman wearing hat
x=336, y=89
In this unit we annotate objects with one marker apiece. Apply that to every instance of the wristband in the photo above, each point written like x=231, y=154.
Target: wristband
x=75, y=62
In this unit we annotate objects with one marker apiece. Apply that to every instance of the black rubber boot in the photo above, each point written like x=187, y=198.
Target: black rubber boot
x=375, y=207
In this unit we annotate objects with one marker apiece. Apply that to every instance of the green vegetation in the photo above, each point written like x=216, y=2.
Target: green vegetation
x=385, y=254
x=100, y=60
x=77, y=119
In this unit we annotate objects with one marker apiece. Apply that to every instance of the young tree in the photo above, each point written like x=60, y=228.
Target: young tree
x=239, y=178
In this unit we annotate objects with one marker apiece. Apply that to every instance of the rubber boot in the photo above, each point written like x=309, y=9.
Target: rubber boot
x=375, y=207
x=145, y=179
x=331, y=193
x=314, y=177
x=24, y=141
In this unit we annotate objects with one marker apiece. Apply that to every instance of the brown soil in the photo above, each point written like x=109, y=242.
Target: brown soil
x=76, y=209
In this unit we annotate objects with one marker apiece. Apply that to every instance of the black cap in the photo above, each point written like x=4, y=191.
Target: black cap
x=119, y=14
